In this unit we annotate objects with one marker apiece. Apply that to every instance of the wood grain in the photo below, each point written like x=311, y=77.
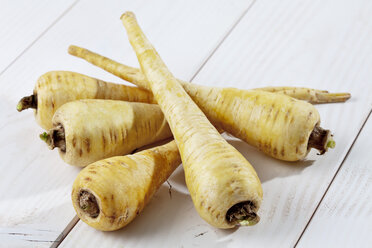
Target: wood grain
x=22, y=22
x=344, y=218
x=306, y=43
x=35, y=188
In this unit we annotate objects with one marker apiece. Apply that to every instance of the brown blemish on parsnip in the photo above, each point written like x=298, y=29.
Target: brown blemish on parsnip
x=87, y=144
x=287, y=115
x=276, y=115
x=103, y=140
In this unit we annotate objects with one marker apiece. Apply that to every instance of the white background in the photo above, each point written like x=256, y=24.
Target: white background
x=324, y=201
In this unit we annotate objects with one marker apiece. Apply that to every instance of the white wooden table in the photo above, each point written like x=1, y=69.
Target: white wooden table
x=324, y=201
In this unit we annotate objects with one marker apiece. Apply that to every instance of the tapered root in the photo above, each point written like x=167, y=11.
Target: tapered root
x=27, y=102
x=55, y=138
x=321, y=139
x=325, y=97
x=313, y=96
x=243, y=214
x=88, y=204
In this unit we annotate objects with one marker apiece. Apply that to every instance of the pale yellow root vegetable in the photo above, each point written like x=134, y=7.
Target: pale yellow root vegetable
x=309, y=95
x=86, y=131
x=223, y=185
x=136, y=77
x=280, y=126
x=55, y=88
x=110, y=193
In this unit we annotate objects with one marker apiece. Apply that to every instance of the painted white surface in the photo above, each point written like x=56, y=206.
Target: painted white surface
x=35, y=186
x=344, y=218
x=321, y=44
x=22, y=22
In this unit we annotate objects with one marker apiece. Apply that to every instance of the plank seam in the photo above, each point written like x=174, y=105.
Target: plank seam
x=65, y=232
x=222, y=40
x=39, y=37
x=334, y=177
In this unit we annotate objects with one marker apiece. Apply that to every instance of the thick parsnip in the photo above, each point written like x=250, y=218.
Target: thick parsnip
x=110, y=193
x=223, y=185
x=136, y=77
x=278, y=125
x=86, y=131
x=55, y=88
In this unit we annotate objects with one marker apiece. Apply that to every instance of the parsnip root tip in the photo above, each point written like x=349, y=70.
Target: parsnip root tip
x=127, y=14
x=332, y=97
x=346, y=96
x=88, y=204
x=72, y=50
x=243, y=214
x=27, y=102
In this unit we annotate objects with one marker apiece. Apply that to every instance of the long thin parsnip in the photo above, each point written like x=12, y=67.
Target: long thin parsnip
x=110, y=193
x=136, y=77
x=86, y=131
x=310, y=95
x=55, y=88
x=223, y=185
x=278, y=125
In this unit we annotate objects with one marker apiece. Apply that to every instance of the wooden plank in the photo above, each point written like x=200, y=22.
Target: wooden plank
x=344, y=218
x=308, y=43
x=22, y=22
x=35, y=206
x=321, y=44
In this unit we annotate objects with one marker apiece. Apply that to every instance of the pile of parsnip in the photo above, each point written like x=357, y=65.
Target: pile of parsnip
x=97, y=125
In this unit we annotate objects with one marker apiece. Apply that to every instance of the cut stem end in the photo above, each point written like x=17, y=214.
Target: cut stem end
x=243, y=214
x=27, y=102
x=88, y=204
x=55, y=137
x=321, y=139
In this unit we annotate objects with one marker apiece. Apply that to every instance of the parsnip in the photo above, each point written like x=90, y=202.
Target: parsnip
x=86, y=131
x=110, y=193
x=223, y=185
x=136, y=77
x=55, y=88
x=280, y=126
x=310, y=95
